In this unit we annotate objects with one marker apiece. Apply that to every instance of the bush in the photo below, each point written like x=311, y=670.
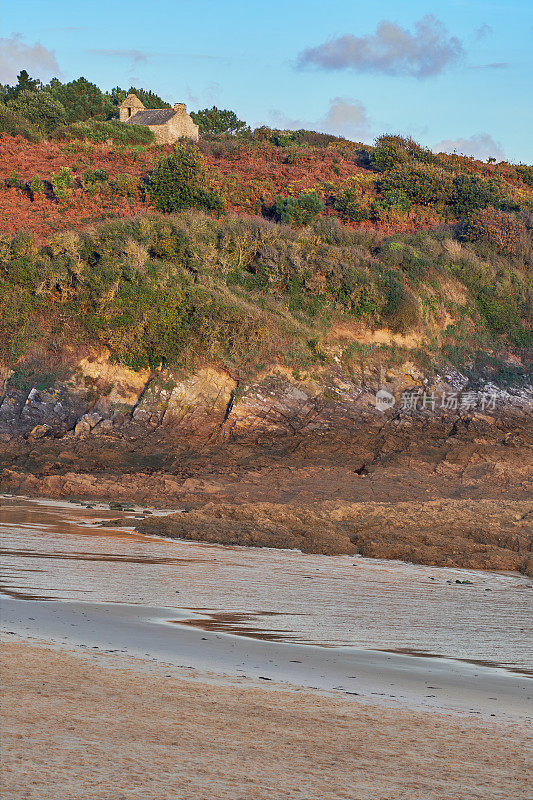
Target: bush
x=314, y=138
x=178, y=182
x=388, y=153
x=94, y=176
x=14, y=181
x=35, y=185
x=501, y=316
x=400, y=313
x=14, y=124
x=471, y=192
x=300, y=210
x=282, y=138
x=351, y=205
x=62, y=184
x=525, y=172
x=41, y=109
x=126, y=186
x=112, y=131
x=424, y=184
x=391, y=151
x=504, y=231
x=396, y=198
x=392, y=207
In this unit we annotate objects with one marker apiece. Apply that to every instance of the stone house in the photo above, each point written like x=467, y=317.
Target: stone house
x=168, y=124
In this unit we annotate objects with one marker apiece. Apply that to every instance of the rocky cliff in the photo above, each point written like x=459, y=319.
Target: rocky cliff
x=308, y=462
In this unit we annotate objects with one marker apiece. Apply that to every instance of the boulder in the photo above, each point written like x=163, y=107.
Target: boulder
x=86, y=423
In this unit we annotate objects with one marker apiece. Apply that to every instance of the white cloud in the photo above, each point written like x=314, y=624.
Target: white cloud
x=344, y=117
x=391, y=50
x=37, y=59
x=480, y=145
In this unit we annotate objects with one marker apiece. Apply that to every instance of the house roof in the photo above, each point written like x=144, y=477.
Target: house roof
x=151, y=116
x=131, y=101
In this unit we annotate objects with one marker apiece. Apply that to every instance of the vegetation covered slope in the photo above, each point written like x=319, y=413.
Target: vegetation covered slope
x=254, y=247
x=188, y=288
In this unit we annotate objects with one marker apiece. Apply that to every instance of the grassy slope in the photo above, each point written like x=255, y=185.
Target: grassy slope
x=244, y=292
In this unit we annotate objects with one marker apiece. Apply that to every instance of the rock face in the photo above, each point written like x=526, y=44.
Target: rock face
x=121, y=385
x=308, y=463
x=200, y=400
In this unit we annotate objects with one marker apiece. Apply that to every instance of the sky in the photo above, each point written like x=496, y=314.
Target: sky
x=454, y=75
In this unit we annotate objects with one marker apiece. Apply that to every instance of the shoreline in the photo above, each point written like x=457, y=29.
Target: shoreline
x=120, y=699
x=166, y=636
x=479, y=534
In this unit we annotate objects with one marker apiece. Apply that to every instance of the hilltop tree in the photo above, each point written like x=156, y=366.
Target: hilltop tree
x=40, y=109
x=24, y=83
x=81, y=99
x=218, y=122
x=148, y=98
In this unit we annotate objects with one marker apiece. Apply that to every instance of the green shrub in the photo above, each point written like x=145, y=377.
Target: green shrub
x=178, y=182
x=350, y=204
x=525, y=172
x=62, y=184
x=283, y=138
x=400, y=312
x=14, y=181
x=126, y=186
x=95, y=176
x=41, y=110
x=471, y=192
x=502, y=317
x=396, y=198
x=387, y=154
x=36, y=185
x=314, y=138
x=424, y=184
x=111, y=131
x=392, y=207
x=15, y=125
x=301, y=210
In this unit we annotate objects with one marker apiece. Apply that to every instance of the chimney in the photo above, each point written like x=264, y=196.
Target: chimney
x=180, y=107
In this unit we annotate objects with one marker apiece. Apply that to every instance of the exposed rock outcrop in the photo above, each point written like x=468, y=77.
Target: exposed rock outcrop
x=307, y=462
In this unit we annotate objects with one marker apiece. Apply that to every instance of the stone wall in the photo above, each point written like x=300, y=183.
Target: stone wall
x=181, y=125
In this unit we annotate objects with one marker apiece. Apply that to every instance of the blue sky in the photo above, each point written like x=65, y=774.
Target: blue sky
x=460, y=78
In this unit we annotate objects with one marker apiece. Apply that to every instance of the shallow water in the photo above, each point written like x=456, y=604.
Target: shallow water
x=59, y=551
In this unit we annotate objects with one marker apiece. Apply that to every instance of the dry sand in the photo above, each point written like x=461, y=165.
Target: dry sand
x=76, y=729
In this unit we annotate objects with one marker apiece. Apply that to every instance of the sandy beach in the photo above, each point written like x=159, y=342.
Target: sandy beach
x=138, y=668
x=131, y=732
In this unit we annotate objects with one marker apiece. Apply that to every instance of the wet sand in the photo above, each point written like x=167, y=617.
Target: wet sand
x=163, y=636
x=62, y=551
x=76, y=729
